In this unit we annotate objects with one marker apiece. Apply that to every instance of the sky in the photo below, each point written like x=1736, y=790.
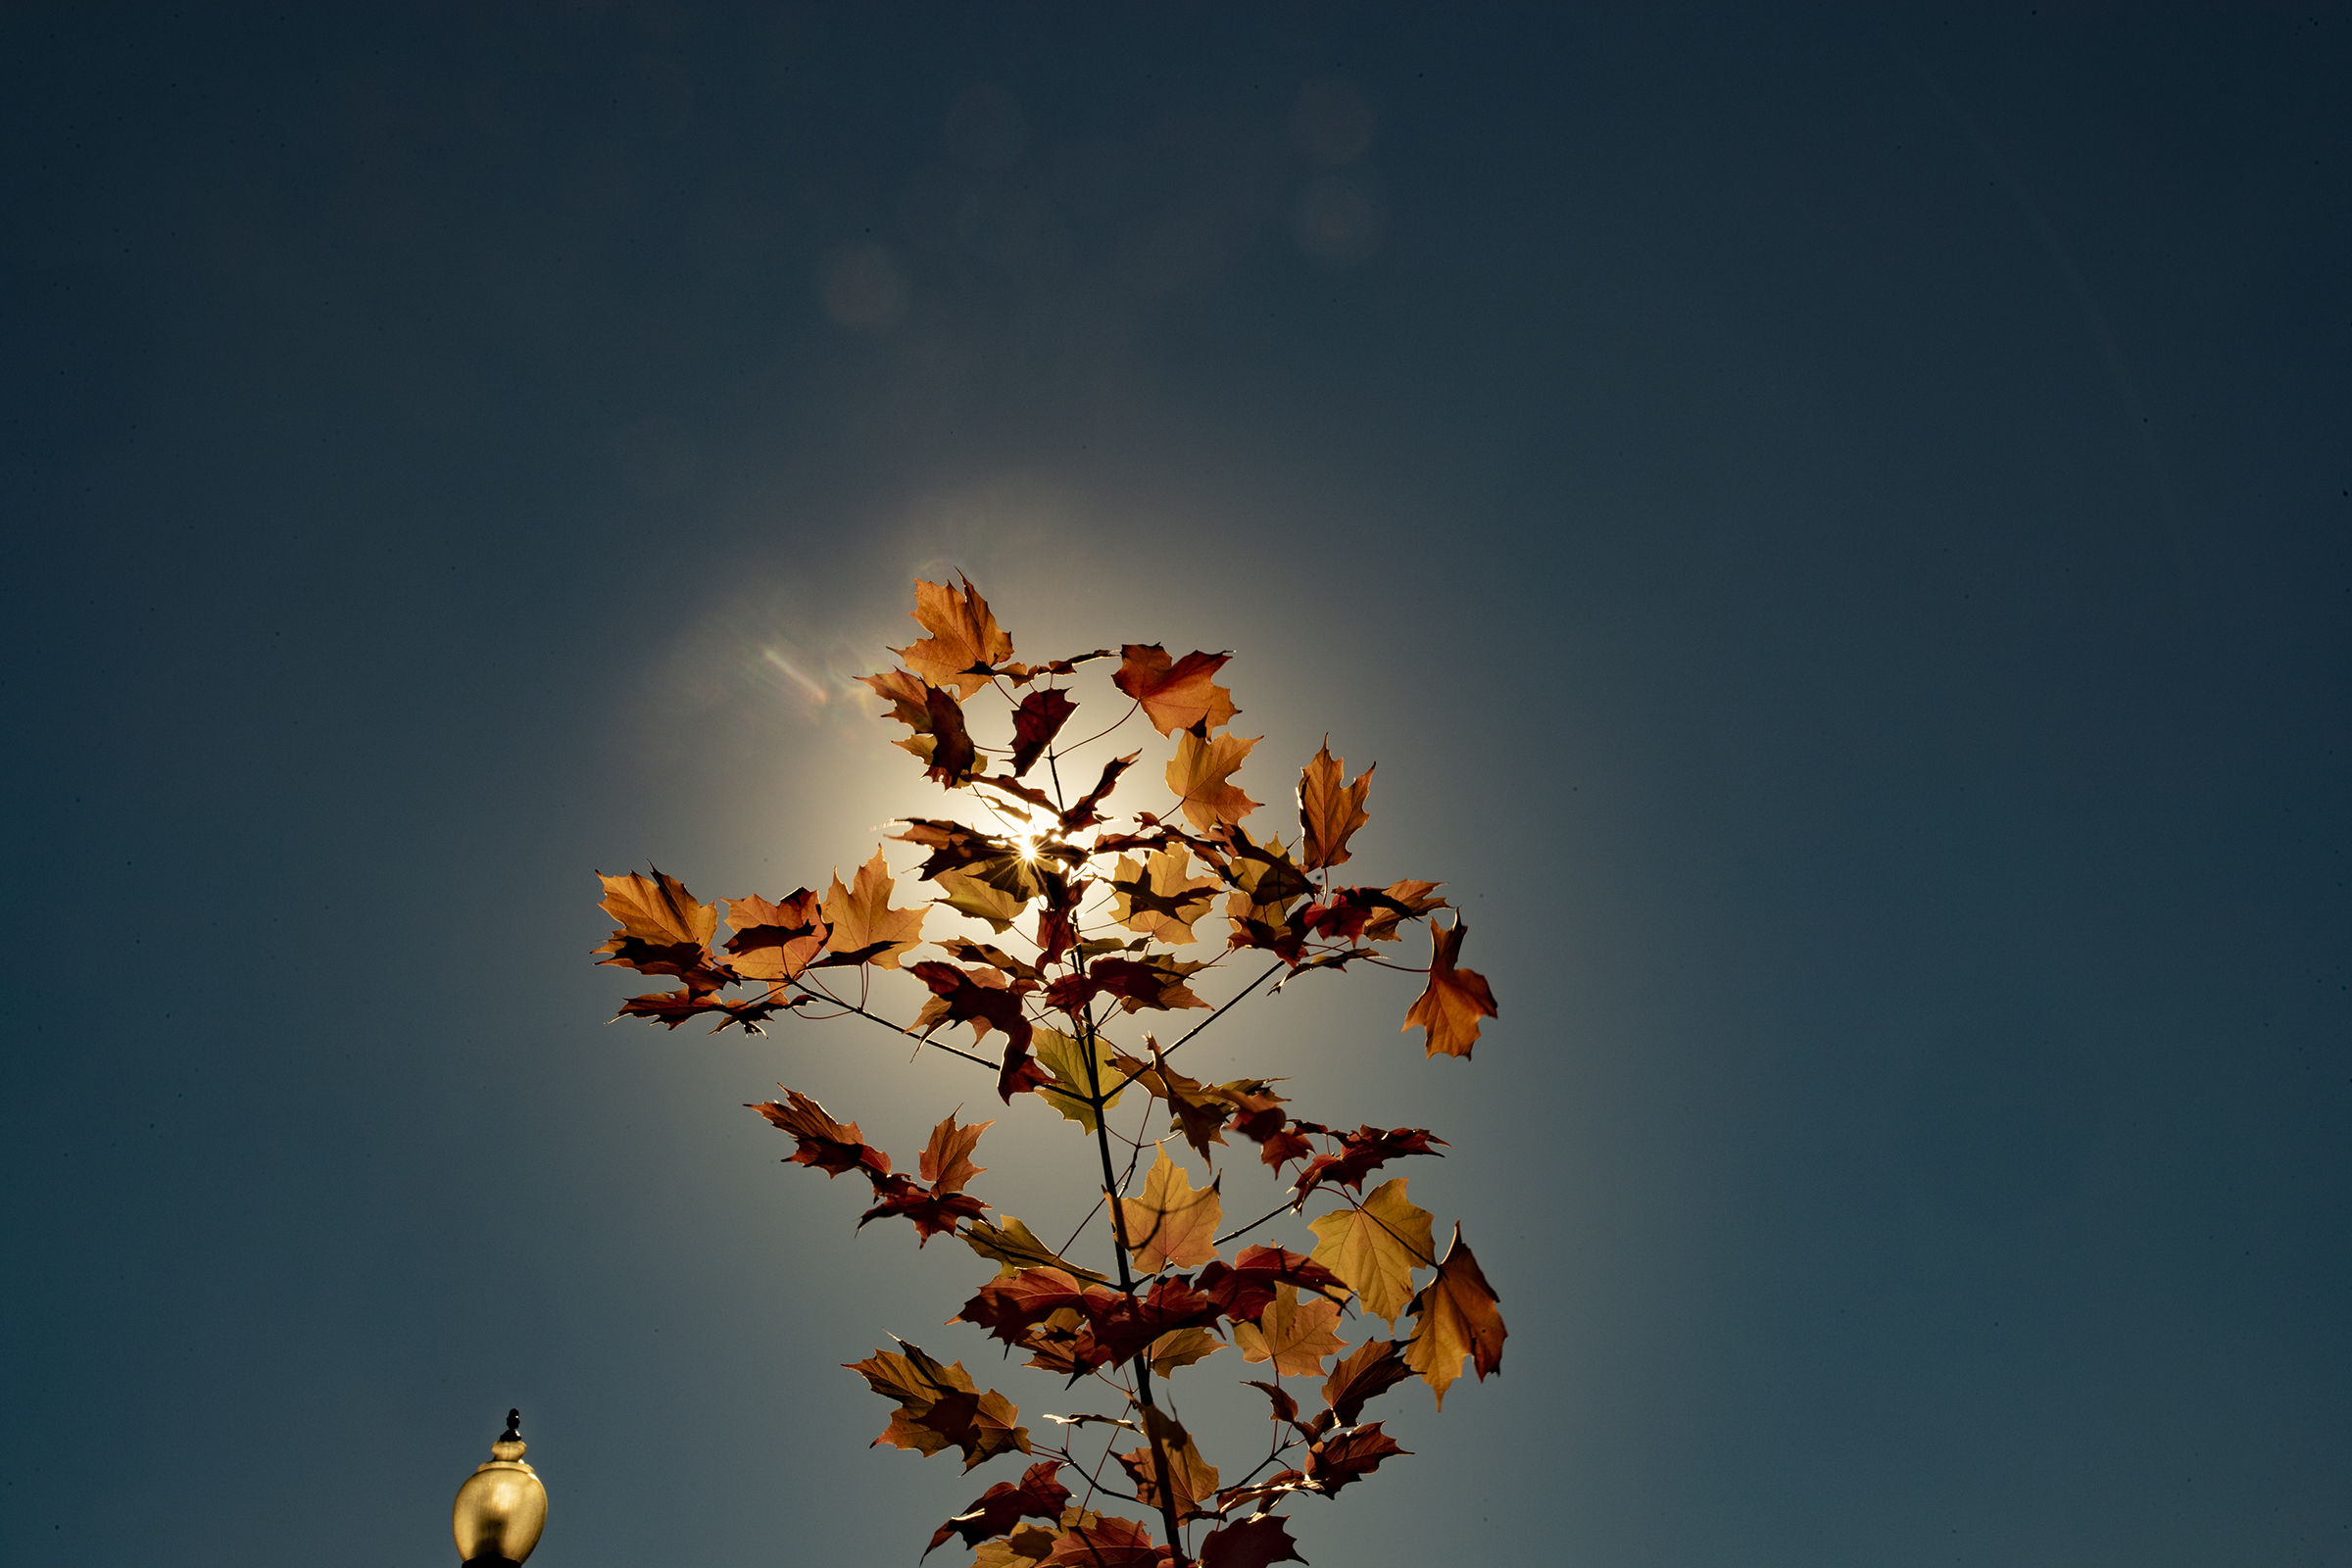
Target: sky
x=1834, y=524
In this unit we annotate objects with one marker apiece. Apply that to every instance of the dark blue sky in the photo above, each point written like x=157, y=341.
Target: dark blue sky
x=1834, y=526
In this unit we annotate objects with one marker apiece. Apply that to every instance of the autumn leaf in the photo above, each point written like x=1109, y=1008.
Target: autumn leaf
x=968, y=891
x=964, y=638
x=1108, y=1542
x=1372, y=1368
x=1295, y=1334
x=946, y=1162
x=1246, y=1286
x=1364, y=1152
x=1161, y=898
x=1407, y=900
x=940, y=1408
x=1172, y=1223
x=1084, y=814
x=1014, y=1246
x=1330, y=813
x=658, y=910
x=1026, y=1548
x=1064, y=1057
x=1181, y=1349
x=830, y=1146
x=775, y=941
x=1036, y=1495
x=1035, y=723
x=933, y=1213
x=1458, y=1318
x=1190, y=1478
x=1257, y=1542
x=1375, y=1247
x=1349, y=1456
x=1455, y=1000
x=1199, y=774
x=865, y=928
x=1178, y=696
x=982, y=998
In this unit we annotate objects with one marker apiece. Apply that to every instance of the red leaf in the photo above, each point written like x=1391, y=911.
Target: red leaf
x=1035, y=723
x=1251, y=1543
x=1038, y=1495
x=830, y=1146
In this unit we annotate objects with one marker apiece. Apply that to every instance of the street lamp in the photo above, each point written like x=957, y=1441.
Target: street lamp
x=502, y=1507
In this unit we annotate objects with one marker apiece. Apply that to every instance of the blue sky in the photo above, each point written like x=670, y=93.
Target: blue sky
x=1832, y=524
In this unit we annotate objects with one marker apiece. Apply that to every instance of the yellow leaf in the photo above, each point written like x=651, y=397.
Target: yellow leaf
x=1295, y=1334
x=1014, y=1246
x=1458, y=1319
x=1064, y=1057
x=1182, y=1349
x=1173, y=1222
x=1161, y=898
x=965, y=893
x=1198, y=774
x=1374, y=1249
x=863, y=923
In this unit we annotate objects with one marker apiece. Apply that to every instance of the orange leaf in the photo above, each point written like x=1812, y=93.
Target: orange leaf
x=775, y=941
x=1198, y=774
x=1295, y=1334
x=939, y=1407
x=659, y=910
x=1328, y=810
x=946, y=1162
x=1178, y=696
x=1173, y=1222
x=1455, y=1000
x=964, y=638
x=865, y=928
x=1458, y=1318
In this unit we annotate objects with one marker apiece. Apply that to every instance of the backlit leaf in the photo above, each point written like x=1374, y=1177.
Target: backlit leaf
x=1329, y=811
x=865, y=928
x=1200, y=774
x=1376, y=1248
x=964, y=639
x=1177, y=696
x=1172, y=1223
x=1458, y=1318
x=1455, y=1000
x=1295, y=1334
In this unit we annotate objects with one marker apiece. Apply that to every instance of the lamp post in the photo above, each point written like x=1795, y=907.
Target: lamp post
x=502, y=1507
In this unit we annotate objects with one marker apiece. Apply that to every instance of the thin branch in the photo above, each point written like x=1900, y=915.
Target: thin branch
x=1170, y=1050
x=1289, y=1206
x=823, y=995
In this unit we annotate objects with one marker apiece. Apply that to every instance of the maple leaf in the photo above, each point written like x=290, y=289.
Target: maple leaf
x=1407, y=901
x=1178, y=696
x=1172, y=1223
x=1198, y=774
x=1376, y=1246
x=1161, y=898
x=1026, y=1548
x=1153, y=982
x=1364, y=1152
x=1457, y=1317
x=1181, y=1349
x=969, y=892
x=1036, y=1495
x=1108, y=1542
x=1295, y=1334
x=1328, y=812
x=1035, y=723
x=865, y=928
x=936, y=719
x=1064, y=1057
x=1190, y=1478
x=964, y=640
x=1200, y=1113
x=940, y=1408
x=1008, y=1306
x=775, y=941
x=1257, y=1542
x=982, y=998
x=1084, y=814
x=1373, y=1368
x=1349, y=1456
x=657, y=910
x=946, y=1162
x=1244, y=1289
x=1119, y=1325
x=1450, y=1006
x=830, y=1146
x=934, y=1212
x=1015, y=1247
